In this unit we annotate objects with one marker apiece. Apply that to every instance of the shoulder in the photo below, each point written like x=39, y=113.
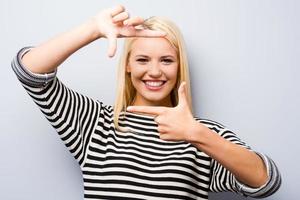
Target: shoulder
x=106, y=107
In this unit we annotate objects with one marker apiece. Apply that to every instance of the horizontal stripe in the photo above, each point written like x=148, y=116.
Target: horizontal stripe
x=143, y=191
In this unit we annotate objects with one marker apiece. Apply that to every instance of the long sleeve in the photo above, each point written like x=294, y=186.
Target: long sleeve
x=223, y=180
x=74, y=116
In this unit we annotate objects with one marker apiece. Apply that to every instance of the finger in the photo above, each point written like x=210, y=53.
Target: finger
x=166, y=136
x=158, y=119
x=149, y=33
x=161, y=130
x=112, y=46
x=134, y=21
x=182, y=99
x=120, y=17
x=152, y=110
x=116, y=10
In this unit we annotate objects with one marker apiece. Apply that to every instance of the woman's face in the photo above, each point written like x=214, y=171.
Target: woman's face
x=153, y=66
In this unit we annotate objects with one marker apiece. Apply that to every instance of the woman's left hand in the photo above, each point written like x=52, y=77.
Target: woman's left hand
x=174, y=123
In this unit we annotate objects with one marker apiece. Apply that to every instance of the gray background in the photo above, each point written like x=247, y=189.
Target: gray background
x=244, y=58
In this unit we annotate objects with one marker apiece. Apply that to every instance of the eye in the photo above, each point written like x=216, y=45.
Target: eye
x=167, y=61
x=142, y=60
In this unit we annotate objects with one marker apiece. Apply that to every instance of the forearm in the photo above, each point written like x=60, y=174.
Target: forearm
x=49, y=55
x=246, y=166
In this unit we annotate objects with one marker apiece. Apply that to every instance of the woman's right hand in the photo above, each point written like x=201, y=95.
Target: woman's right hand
x=115, y=22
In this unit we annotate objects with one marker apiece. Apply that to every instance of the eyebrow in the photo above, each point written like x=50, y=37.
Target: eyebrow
x=145, y=56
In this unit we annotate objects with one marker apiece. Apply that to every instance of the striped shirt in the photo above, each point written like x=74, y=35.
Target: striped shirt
x=136, y=164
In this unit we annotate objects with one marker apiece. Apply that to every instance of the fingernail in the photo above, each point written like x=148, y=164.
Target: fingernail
x=128, y=108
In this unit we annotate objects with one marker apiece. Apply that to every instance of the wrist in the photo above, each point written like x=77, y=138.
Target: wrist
x=93, y=29
x=196, y=132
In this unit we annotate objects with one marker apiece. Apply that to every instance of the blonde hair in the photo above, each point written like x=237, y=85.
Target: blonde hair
x=125, y=89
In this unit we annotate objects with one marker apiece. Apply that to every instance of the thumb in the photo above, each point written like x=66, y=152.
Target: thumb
x=112, y=45
x=182, y=98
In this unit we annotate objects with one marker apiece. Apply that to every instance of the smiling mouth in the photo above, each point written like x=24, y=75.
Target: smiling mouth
x=154, y=85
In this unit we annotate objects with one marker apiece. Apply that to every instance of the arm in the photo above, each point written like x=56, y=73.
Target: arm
x=72, y=114
x=222, y=179
x=246, y=166
x=108, y=23
x=46, y=57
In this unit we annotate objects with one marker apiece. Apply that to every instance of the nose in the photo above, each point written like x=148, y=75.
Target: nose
x=154, y=70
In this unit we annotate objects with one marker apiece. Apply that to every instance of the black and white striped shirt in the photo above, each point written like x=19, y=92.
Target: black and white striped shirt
x=136, y=164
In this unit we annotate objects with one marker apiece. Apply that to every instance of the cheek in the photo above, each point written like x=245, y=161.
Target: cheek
x=134, y=69
x=136, y=76
x=137, y=73
x=172, y=73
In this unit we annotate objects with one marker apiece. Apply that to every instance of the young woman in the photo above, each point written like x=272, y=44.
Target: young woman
x=149, y=145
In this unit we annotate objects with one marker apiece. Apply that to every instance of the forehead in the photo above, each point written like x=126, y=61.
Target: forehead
x=152, y=47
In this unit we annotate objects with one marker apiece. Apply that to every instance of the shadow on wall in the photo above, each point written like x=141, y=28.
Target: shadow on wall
x=226, y=196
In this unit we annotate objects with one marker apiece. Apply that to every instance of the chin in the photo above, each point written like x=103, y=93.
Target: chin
x=156, y=99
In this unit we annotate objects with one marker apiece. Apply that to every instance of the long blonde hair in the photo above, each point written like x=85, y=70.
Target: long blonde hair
x=125, y=89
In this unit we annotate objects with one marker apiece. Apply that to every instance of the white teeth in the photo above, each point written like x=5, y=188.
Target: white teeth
x=154, y=83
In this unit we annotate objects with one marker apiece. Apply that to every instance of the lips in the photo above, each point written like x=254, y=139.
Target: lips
x=154, y=84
